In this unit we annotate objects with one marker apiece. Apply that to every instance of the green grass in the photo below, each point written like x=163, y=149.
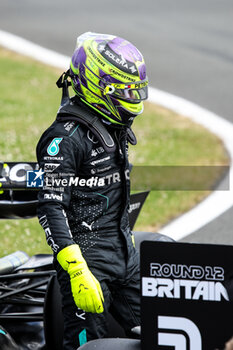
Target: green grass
x=29, y=101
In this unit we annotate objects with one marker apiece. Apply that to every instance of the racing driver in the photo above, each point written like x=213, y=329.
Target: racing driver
x=83, y=205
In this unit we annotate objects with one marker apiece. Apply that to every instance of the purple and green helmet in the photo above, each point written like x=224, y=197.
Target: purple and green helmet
x=108, y=73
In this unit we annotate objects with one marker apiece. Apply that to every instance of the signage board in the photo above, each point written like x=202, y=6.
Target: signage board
x=186, y=295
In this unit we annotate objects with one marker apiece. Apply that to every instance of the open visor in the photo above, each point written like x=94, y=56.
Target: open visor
x=132, y=92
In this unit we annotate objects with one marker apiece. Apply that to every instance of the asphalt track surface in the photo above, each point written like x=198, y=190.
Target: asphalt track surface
x=187, y=46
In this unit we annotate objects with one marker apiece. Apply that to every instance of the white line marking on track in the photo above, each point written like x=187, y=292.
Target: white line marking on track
x=27, y=48
x=215, y=204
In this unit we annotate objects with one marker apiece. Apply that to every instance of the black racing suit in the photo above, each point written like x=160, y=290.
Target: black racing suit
x=85, y=200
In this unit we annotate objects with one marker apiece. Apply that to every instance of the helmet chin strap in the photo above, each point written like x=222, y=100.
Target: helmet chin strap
x=130, y=118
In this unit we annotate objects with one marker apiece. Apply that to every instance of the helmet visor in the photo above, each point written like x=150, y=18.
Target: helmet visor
x=131, y=92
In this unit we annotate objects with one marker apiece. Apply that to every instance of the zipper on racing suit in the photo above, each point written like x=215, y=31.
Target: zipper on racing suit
x=121, y=139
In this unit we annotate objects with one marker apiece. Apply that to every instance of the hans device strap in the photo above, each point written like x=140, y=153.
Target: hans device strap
x=78, y=113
